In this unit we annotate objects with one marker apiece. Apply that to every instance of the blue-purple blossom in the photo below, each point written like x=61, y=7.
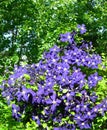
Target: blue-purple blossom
x=93, y=80
x=15, y=111
x=89, y=115
x=82, y=28
x=84, y=125
x=53, y=101
x=36, y=118
x=67, y=37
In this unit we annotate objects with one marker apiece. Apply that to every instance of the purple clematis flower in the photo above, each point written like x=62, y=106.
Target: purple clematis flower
x=89, y=115
x=82, y=28
x=53, y=101
x=78, y=117
x=93, y=80
x=15, y=111
x=67, y=37
x=84, y=107
x=55, y=49
x=36, y=118
x=84, y=125
x=22, y=94
x=8, y=96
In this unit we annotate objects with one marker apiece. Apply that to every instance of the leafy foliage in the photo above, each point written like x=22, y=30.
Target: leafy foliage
x=29, y=27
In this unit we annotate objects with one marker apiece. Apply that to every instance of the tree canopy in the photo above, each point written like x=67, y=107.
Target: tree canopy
x=32, y=26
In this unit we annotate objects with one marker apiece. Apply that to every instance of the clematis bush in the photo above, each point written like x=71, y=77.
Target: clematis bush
x=58, y=92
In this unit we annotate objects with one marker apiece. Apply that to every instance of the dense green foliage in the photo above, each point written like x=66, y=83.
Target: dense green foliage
x=29, y=27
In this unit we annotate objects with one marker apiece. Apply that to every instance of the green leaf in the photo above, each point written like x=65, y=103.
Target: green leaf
x=27, y=77
x=44, y=125
x=65, y=90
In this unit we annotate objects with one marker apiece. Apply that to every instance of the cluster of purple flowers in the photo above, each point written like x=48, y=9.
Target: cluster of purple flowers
x=55, y=90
